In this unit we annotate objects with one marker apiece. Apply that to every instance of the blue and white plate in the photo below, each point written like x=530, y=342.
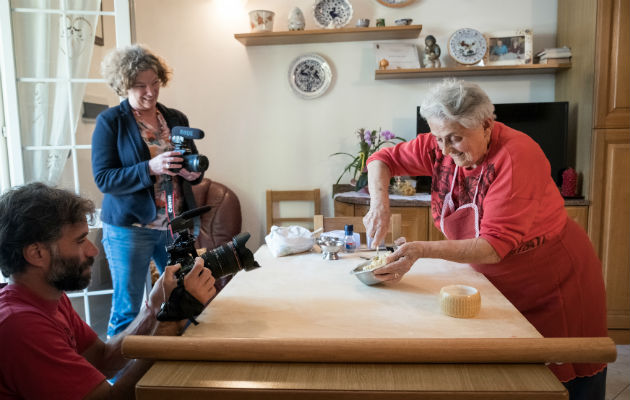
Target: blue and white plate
x=310, y=76
x=332, y=13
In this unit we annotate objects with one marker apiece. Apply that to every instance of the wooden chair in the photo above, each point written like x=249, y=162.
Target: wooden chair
x=275, y=197
x=338, y=223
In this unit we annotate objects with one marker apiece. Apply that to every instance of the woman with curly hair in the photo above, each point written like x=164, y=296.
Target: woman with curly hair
x=135, y=167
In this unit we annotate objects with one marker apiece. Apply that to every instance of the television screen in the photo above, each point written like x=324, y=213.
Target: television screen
x=546, y=123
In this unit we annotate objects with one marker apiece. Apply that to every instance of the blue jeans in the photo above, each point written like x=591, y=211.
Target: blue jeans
x=129, y=250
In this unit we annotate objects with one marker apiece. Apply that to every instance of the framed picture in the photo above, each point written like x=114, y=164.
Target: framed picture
x=509, y=47
x=396, y=56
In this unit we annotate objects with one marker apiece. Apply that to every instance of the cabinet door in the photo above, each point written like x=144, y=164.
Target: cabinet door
x=414, y=220
x=612, y=54
x=608, y=219
x=579, y=214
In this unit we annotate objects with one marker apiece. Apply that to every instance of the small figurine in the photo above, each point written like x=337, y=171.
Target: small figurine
x=296, y=20
x=383, y=64
x=431, y=53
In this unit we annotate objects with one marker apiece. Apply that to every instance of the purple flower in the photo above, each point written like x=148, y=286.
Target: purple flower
x=387, y=135
x=367, y=136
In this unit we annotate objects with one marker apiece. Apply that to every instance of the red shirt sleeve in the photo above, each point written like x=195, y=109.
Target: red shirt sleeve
x=44, y=364
x=414, y=158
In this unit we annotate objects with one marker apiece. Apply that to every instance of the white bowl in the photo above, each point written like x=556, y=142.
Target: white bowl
x=403, y=21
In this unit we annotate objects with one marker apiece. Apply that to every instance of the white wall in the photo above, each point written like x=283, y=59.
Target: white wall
x=260, y=135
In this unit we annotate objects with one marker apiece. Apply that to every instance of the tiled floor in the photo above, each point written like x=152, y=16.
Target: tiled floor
x=618, y=375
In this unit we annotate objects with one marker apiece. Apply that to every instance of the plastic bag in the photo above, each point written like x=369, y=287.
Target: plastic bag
x=285, y=240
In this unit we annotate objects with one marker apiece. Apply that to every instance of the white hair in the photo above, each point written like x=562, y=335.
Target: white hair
x=457, y=101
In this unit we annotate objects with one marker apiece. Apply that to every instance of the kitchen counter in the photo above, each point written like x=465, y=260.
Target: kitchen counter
x=417, y=200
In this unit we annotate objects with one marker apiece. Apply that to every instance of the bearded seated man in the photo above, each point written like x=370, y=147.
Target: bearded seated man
x=46, y=350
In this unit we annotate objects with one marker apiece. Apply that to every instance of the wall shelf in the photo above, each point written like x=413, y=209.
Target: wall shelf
x=329, y=35
x=472, y=70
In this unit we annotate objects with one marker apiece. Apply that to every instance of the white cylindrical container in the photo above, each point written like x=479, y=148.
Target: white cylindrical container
x=261, y=20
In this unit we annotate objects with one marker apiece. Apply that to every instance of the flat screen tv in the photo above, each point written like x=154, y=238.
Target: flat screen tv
x=546, y=123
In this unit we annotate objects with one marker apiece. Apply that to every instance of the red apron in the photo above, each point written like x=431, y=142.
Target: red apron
x=556, y=284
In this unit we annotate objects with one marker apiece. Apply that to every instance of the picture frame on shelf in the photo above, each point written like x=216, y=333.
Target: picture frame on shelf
x=400, y=55
x=510, y=47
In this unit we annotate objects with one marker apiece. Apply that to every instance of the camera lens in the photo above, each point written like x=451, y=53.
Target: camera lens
x=195, y=162
x=231, y=257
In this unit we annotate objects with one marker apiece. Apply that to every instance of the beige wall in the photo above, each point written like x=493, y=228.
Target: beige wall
x=259, y=135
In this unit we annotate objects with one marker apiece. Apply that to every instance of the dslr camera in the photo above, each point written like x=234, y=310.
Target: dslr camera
x=227, y=259
x=193, y=161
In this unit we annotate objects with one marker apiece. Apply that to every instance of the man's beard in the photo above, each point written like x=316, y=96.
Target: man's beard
x=67, y=273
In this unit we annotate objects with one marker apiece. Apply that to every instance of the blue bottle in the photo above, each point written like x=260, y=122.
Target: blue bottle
x=349, y=243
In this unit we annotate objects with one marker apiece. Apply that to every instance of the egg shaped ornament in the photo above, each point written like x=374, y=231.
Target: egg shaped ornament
x=296, y=20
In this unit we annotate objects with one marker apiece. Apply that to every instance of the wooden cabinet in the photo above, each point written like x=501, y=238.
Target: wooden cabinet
x=579, y=214
x=417, y=223
x=599, y=93
x=415, y=220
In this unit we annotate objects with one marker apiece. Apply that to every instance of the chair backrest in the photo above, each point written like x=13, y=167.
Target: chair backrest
x=275, y=197
x=338, y=223
x=224, y=219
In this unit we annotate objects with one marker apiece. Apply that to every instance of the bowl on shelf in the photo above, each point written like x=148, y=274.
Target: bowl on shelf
x=261, y=20
x=403, y=21
x=363, y=23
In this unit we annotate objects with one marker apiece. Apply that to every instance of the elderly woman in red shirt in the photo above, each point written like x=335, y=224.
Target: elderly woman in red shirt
x=493, y=197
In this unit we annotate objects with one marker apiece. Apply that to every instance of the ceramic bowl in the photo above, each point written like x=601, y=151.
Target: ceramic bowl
x=365, y=276
x=261, y=20
x=403, y=21
x=363, y=23
x=330, y=246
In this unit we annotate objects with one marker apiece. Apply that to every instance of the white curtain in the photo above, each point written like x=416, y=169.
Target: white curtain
x=51, y=46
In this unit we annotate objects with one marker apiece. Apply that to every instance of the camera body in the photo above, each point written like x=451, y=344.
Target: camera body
x=193, y=161
x=227, y=259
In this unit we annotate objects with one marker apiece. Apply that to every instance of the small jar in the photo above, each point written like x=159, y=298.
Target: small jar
x=349, y=244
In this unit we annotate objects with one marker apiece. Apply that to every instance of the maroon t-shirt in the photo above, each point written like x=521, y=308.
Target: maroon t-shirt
x=41, y=342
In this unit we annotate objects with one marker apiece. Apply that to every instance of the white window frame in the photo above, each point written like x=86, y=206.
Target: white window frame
x=10, y=129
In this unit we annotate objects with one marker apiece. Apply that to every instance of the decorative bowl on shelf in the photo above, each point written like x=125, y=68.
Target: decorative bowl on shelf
x=261, y=20
x=363, y=23
x=403, y=21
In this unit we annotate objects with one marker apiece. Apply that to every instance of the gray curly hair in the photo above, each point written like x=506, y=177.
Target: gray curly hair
x=457, y=101
x=120, y=67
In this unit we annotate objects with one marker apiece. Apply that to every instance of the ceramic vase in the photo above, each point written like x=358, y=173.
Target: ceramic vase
x=261, y=20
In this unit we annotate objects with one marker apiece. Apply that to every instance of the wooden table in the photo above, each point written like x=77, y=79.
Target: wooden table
x=304, y=296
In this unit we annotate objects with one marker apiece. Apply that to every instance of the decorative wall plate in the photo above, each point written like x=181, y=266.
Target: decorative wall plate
x=395, y=3
x=467, y=46
x=310, y=75
x=332, y=13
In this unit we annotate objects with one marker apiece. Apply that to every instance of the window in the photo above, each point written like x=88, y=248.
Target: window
x=49, y=68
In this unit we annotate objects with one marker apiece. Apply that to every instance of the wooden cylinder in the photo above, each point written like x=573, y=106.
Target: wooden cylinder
x=365, y=350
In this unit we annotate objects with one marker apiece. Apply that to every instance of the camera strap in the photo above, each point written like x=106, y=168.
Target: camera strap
x=170, y=198
x=170, y=195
